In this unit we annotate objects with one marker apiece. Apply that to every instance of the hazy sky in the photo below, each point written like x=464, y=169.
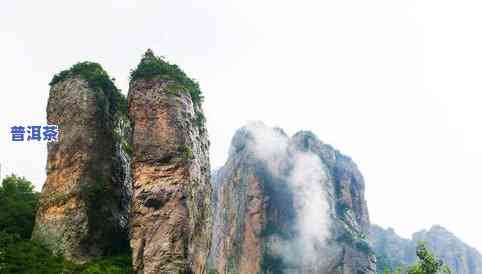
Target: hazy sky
x=394, y=84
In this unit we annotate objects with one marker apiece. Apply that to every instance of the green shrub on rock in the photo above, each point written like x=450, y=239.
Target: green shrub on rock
x=152, y=66
x=98, y=80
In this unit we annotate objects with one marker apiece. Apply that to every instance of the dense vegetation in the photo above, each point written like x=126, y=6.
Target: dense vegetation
x=19, y=254
x=99, y=80
x=386, y=264
x=427, y=263
x=18, y=202
x=152, y=67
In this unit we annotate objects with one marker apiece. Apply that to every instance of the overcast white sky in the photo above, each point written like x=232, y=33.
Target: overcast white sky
x=396, y=85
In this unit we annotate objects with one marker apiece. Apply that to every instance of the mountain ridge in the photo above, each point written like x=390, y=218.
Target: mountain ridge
x=394, y=251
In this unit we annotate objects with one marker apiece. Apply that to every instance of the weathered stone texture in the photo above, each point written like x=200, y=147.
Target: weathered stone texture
x=256, y=212
x=81, y=213
x=171, y=217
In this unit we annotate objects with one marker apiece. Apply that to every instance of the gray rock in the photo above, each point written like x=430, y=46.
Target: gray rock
x=258, y=214
x=393, y=251
x=84, y=202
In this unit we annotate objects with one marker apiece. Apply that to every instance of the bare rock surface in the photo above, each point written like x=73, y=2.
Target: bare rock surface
x=171, y=217
x=84, y=202
x=288, y=205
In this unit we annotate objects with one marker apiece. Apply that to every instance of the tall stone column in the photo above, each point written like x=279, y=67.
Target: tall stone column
x=171, y=217
x=84, y=202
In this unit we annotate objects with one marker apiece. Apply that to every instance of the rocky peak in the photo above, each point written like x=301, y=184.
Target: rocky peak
x=308, y=141
x=149, y=58
x=244, y=138
x=171, y=217
x=460, y=257
x=239, y=141
x=305, y=139
x=439, y=230
x=393, y=251
x=84, y=202
x=274, y=193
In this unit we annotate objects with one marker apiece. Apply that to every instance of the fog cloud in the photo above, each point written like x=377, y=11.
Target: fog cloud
x=306, y=179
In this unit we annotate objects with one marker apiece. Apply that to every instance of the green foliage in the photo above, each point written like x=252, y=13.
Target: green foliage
x=387, y=265
x=200, y=119
x=397, y=271
x=347, y=237
x=359, y=242
x=341, y=209
x=24, y=256
x=174, y=89
x=427, y=263
x=96, y=192
x=152, y=67
x=271, y=229
x=274, y=264
x=99, y=80
x=19, y=255
x=120, y=264
x=363, y=246
x=18, y=203
x=127, y=148
x=186, y=152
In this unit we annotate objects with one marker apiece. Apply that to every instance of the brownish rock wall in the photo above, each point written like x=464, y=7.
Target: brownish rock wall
x=288, y=205
x=171, y=215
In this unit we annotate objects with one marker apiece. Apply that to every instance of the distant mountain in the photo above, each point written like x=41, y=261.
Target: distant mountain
x=393, y=251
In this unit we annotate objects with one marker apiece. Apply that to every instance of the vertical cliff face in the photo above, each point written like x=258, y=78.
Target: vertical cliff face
x=349, y=218
x=393, y=251
x=85, y=199
x=240, y=211
x=288, y=205
x=171, y=217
